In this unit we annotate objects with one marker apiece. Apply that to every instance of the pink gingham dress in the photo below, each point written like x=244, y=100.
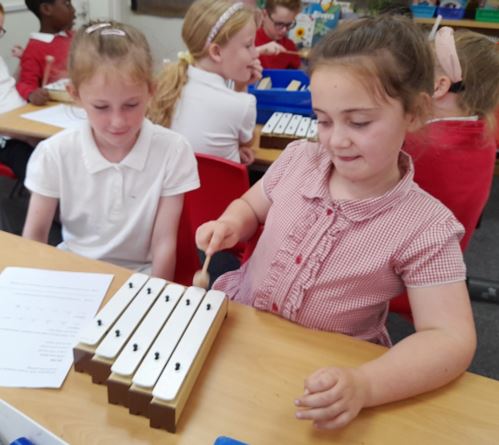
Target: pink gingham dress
x=334, y=265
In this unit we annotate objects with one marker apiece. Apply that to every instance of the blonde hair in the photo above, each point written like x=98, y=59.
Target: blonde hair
x=113, y=46
x=390, y=55
x=479, y=59
x=198, y=22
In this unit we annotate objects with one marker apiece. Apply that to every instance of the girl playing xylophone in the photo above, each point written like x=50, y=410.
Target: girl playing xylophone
x=192, y=96
x=119, y=179
x=346, y=228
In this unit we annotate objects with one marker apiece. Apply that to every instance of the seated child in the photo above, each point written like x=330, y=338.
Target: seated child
x=47, y=51
x=346, y=228
x=278, y=18
x=119, y=179
x=192, y=95
x=13, y=152
x=455, y=154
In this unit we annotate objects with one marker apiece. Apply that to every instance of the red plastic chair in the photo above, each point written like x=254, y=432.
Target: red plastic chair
x=222, y=181
x=6, y=171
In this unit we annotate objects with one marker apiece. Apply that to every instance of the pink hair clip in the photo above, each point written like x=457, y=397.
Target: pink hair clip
x=445, y=50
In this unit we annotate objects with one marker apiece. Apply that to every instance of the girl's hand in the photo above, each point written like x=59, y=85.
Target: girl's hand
x=256, y=71
x=39, y=97
x=215, y=235
x=333, y=397
x=17, y=51
x=247, y=154
x=270, y=49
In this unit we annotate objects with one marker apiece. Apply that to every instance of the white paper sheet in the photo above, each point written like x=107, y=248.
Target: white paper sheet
x=63, y=115
x=41, y=315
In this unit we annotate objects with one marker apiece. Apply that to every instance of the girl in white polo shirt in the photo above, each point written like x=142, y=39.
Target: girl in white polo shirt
x=192, y=95
x=347, y=228
x=118, y=179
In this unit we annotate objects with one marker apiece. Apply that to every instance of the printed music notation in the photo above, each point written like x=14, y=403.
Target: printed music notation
x=41, y=315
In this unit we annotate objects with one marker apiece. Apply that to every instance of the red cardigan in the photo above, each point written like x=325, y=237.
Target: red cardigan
x=33, y=62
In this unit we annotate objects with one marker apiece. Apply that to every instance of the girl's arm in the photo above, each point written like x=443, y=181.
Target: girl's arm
x=164, y=236
x=440, y=350
x=39, y=219
x=238, y=223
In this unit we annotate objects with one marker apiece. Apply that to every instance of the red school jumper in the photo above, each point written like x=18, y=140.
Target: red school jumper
x=33, y=61
x=278, y=61
x=454, y=161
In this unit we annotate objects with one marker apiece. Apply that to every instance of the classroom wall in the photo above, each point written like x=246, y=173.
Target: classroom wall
x=162, y=33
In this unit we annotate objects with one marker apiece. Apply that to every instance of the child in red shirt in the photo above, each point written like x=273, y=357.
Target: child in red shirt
x=278, y=18
x=54, y=39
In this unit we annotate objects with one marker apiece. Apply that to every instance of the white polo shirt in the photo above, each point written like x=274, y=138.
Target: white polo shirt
x=214, y=118
x=9, y=97
x=108, y=209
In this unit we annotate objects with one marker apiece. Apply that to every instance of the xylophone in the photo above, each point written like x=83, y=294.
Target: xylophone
x=283, y=128
x=148, y=345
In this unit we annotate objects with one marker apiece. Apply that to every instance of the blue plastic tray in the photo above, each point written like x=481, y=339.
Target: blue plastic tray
x=278, y=98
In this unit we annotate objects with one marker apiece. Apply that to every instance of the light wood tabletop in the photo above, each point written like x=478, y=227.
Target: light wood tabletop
x=247, y=386
x=12, y=123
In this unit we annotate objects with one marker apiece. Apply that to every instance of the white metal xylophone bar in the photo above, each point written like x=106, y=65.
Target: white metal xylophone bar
x=283, y=128
x=148, y=345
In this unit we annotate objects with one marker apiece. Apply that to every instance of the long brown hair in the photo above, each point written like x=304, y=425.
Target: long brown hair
x=390, y=55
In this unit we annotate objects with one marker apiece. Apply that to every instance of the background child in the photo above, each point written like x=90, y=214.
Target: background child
x=119, y=179
x=455, y=155
x=346, y=228
x=54, y=39
x=192, y=96
x=278, y=18
x=13, y=152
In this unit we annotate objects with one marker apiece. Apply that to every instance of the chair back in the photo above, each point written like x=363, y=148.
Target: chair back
x=222, y=181
x=6, y=171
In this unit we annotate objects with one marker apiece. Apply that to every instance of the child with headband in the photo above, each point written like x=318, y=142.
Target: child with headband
x=346, y=228
x=192, y=95
x=119, y=180
x=455, y=154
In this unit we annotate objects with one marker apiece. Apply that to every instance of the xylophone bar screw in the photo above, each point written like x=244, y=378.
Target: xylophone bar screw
x=187, y=302
x=156, y=356
x=130, y=285
x=99, y=322
x=117, y=332
x=167, y=298
x=135, y=347
x=149, y=290
x=177, y=366
x=208, y=306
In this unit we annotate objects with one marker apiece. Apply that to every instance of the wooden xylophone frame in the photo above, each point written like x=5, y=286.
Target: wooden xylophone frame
x=275, y=134
x=139, y=401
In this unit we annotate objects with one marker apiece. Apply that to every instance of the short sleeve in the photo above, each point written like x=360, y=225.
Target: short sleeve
x=42, y=172
x=434, y=256
x=249, y=120
x=181, y=171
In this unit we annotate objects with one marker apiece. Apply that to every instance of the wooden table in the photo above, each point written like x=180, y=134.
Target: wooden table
x=247, y=386
x=12, y=123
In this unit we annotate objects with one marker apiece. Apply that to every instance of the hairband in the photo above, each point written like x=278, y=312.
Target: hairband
x=222, y=20
x=109, y=31
x=445, y=50
x=186, y=56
